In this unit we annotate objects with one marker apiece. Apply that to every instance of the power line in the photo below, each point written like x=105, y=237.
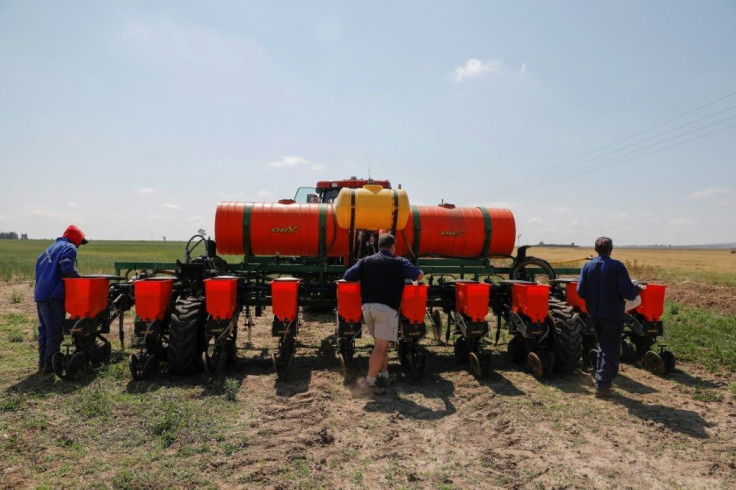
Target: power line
x=600, y=165
x=524, y=181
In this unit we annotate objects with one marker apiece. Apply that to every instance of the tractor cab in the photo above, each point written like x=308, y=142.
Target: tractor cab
x=326, y=191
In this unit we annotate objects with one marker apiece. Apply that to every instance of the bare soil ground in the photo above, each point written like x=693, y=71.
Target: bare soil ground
x=448, y=430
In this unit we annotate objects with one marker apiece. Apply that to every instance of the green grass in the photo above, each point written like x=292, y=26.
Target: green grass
x=701, y=336
x=18, y=257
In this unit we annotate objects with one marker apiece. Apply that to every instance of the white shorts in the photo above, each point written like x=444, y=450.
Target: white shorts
x=382, y=321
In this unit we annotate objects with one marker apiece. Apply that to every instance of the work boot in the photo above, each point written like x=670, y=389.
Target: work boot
x=364, y=389
x=603, y=392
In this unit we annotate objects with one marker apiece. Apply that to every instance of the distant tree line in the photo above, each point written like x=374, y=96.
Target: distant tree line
x=542, y=244
x=11, y=235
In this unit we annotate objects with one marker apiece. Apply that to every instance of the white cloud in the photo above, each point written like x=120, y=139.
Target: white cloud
x=474, y=68
x=560, y=209
x=522, y=70
x=709, y=193
x=536, y=221
x=6, y=217
x=264, y=194
x=145, y=190
x=294, y=161
x=169, y=205
x=157, y=217
x=195, y=219
x=681, y=221
x=72, y=205
x=44, y=213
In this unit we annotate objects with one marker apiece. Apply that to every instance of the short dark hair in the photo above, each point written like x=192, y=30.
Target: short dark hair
x=386, y=240
x=603, y=245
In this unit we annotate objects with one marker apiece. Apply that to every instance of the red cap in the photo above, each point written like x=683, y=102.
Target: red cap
x=75, y=235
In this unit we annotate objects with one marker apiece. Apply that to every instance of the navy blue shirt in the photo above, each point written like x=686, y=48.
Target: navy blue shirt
x=381, y=277
x=55, y=262
x=605, y=284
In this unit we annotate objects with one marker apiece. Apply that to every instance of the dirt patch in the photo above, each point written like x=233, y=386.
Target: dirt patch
x=721, y=299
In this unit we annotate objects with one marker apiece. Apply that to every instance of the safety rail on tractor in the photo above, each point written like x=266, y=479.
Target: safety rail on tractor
x=294, y=256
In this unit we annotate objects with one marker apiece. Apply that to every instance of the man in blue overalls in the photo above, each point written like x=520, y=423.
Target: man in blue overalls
x=605, y=285
x=56, y=262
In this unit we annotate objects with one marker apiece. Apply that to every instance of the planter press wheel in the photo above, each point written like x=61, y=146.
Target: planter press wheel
x=628, y=351
x=461, y=349
x=58, y=363
x=343, y=367
x=281, y=364
x=516, y=350
x=436, y=325
x=142, y=368
x=593, y=358
x=214, y=358
x=669, y=361
x=102, y=350
x=68, y=367
x=480, y=364
x=541, y=363
x=412, y=360
x=654, y=363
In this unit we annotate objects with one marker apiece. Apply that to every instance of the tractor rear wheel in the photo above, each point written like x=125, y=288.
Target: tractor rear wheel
x=568, y=341
x=520, y=271
x=186, y=335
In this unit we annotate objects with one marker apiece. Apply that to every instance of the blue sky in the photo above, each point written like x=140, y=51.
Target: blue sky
x=134, y=119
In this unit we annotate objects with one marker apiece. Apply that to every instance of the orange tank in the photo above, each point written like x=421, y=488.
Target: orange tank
x=278, y=228
x=462, y=232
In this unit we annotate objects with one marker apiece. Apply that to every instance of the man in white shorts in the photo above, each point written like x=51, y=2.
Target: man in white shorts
x=382, y=276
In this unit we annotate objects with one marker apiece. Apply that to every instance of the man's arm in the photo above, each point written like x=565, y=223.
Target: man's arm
x=582, y=283
x=626, y=288
x=411, y=271
x=353, y=273
x=67, y=262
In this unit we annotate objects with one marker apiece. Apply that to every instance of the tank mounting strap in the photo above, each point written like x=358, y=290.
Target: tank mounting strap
x=351, y=232
x=489, y=231
x=247, y=210
x=322, y=229
x=416, y=218
x=395, y=211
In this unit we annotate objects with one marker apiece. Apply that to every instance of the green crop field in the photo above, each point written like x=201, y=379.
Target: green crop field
x=18, y=257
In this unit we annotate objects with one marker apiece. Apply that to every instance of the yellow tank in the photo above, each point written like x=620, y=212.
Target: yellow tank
x=374, y=208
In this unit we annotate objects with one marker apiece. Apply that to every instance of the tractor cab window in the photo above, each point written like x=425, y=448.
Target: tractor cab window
x=307, y=194
x=331, y=195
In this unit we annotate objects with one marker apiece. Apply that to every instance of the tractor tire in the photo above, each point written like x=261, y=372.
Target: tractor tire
x=519, y=271
x=568, y=340
x=186, y=335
